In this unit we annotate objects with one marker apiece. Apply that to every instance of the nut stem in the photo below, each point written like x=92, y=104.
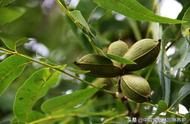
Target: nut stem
x=123, y=98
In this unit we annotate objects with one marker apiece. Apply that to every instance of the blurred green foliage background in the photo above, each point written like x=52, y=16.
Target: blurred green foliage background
x=55, y=39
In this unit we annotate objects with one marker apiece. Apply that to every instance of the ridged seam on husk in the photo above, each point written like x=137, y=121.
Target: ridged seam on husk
x=158, y=43
x=135, y=90
x=131, y=94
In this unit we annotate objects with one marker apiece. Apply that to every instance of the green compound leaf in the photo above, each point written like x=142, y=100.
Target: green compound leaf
x=34, y=88
x=67, y=102
x=11, y=68
x=135, y=10
x=10, y=14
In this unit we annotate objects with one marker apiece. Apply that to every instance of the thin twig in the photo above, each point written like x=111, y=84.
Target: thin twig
x=55, y=68
x=114, y=117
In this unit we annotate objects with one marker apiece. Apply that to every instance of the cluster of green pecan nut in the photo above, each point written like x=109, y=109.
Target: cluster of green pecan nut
x=142, y=53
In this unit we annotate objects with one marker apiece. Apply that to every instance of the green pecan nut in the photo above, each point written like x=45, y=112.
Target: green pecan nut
x=135, y=88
